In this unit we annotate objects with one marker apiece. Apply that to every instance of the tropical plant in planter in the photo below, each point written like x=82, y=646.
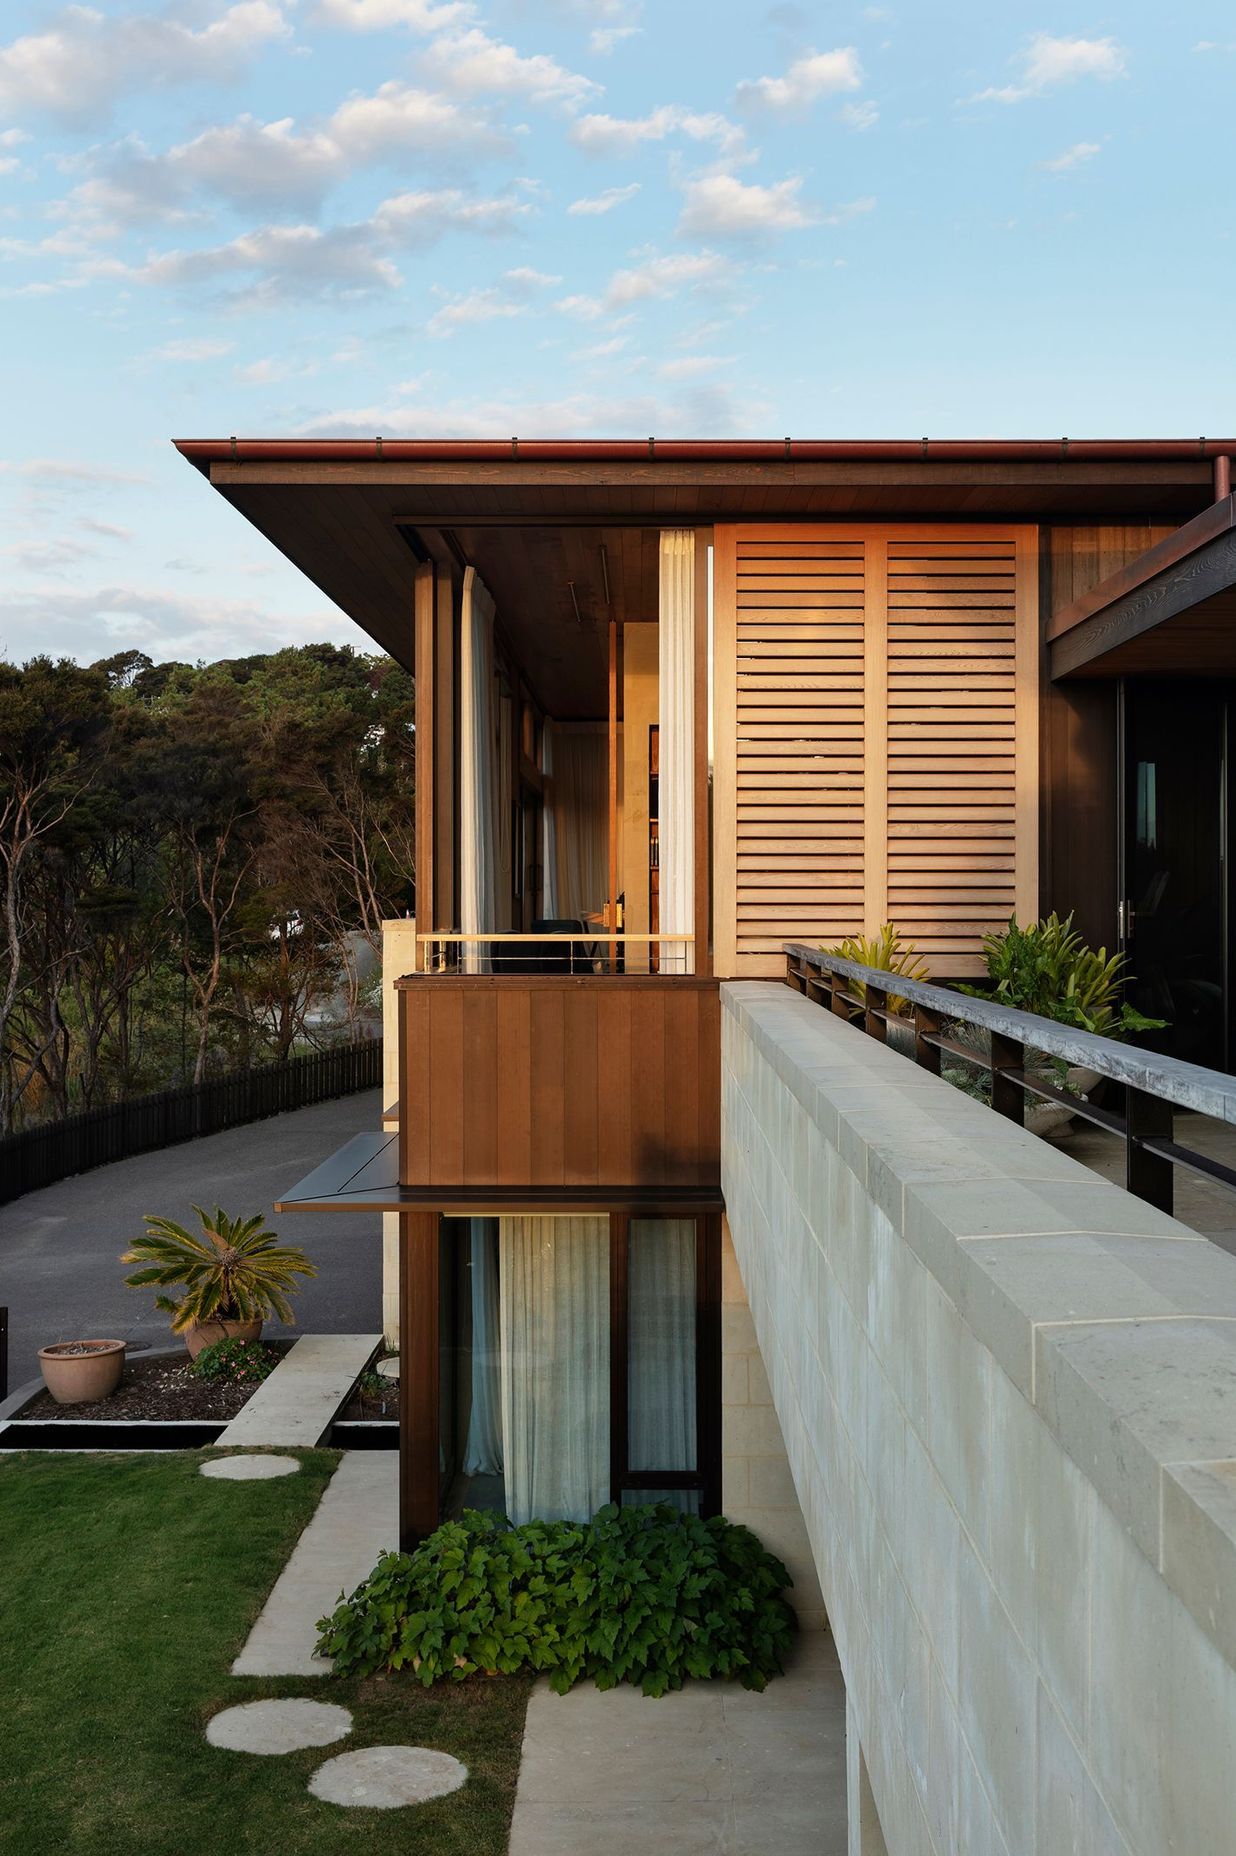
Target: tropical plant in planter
x=232, y=1275
x=890, y=954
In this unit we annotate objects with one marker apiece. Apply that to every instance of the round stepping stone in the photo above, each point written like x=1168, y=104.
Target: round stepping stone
x=389, y=1369
x=250, y=1468
x=278, y=1726
x=382, y=1778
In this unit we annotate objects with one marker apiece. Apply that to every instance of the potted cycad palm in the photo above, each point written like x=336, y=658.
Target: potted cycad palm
x=232, y=1276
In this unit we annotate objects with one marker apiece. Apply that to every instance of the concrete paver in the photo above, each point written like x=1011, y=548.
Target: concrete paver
x=271, y=1727
x=384, y=1778
x=356, y=1518
x=297, y=1404
x=713, y=1769
x=248, y=1468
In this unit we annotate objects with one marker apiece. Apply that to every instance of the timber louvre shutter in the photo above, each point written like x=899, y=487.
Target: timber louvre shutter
x=876, y=737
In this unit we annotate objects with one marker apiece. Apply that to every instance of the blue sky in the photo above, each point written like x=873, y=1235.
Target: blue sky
x=569, y=217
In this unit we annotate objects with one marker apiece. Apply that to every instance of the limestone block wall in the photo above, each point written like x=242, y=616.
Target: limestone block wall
x=398, y=958
x=1007, y=1397
x=756, y=1485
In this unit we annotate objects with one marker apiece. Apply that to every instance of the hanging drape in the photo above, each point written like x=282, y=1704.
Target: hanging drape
x=504, y=810
x=554, y=1318
x=581, y=819
x=477, y=778
x=549, y=834
x=661, y=1345
x=676, y=716
x=483, y=1449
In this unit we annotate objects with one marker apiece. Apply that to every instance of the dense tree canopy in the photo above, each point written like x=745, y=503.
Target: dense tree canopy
x=193, y=861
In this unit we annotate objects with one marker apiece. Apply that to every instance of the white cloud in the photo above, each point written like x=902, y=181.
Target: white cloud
x=603, y=39
x=603, y=202
x=618, y=135
x=193, y=349
x=656, y=277
x=1072, y=157
x=275, y=166
x=476, y=306
x=814, y=75
x=719, y=206
x=710, y=407
x=472, y=64
x=378, y=15
x=511, y=297
x=859, y=116
x=291, y=262
x=86, y=623
x=850, y=209
x=86, y=60
x=61, y=472
x=690, y=366
x=1048, y=62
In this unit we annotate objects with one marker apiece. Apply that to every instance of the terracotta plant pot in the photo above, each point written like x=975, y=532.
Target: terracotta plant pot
x=206, y=1333
x=76, y=1372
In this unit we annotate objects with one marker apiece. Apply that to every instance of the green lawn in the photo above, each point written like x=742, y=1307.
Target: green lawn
x=127, y=1585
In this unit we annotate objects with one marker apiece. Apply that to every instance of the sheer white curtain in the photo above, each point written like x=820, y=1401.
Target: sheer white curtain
x=478, y=846
x=555, y=1366
x=549, y=833
x=676, y=716
x=661, y=1316
x=581, y=819
x=483, y=1449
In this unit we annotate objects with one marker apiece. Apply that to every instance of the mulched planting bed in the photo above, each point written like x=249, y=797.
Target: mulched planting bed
x=155, y=1389
x=363, y=1404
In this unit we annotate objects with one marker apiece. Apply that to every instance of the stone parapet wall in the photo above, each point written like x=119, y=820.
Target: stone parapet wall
x=1007, y=1397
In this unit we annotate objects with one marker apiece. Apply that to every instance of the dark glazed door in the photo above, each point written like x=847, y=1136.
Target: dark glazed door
x=1175, y=916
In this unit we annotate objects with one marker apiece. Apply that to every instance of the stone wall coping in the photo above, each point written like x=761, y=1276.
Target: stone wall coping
x=1116, y=1322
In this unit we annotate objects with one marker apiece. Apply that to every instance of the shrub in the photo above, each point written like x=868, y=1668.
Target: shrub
x=236, y=1362
x=236, y=1270
x=1048, y=969
x=887, y=951
x=642, y=1595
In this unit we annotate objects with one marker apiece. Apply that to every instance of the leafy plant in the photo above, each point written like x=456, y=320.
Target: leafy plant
x=235, y=1362
x=887, y=951
x=1048, y=969
x=641, y=1594
x=234, y=1271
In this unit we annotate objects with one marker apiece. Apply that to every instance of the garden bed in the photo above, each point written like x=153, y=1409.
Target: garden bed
x=154, y=1389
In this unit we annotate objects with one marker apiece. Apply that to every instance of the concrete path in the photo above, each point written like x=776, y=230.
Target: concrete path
x=356, y=1518
x=60, y=1269
x=711, y=1771
x=298, y=1403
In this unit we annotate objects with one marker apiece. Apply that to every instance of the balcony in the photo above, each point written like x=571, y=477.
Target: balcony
x=579, y=1082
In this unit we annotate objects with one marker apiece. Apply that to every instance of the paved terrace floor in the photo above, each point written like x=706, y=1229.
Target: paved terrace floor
x=60, y=1272
x=1203, y=1204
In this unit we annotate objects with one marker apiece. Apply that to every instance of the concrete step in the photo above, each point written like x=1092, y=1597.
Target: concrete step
x=299, y=1402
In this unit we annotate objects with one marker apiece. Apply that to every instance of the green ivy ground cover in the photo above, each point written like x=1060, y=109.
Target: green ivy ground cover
x=127, y=1585
x=643, y=1594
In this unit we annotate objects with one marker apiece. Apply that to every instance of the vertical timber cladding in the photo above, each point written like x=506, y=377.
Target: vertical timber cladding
x=876, y=737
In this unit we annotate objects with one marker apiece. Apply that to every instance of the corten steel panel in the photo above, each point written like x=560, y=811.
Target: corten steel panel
x=599, y=1080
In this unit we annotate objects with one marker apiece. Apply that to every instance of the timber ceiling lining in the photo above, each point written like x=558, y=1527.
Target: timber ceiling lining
x=1197, y=643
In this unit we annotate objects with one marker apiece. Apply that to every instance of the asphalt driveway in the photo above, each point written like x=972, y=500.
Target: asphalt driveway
x=60, y=1272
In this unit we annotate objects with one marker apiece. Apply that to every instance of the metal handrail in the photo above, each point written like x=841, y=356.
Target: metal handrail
x=592, y=946
x=1152, y=1083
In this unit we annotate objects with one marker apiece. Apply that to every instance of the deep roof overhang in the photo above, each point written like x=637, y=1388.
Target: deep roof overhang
x=351, y=514
x=1170, y=612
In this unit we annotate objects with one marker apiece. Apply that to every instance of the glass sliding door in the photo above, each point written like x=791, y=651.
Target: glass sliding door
x=584, y=1363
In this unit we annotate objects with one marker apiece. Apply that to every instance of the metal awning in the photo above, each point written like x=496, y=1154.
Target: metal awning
x=1171, y=612
x=363, y=1176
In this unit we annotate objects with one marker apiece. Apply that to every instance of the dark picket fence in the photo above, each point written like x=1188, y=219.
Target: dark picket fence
x=40, y=1156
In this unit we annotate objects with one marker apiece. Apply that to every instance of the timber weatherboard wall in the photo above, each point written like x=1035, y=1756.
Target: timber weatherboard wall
x=876, y=757
x=599, y=1080
x=1005, y=1392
